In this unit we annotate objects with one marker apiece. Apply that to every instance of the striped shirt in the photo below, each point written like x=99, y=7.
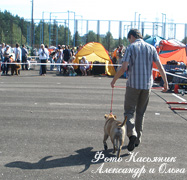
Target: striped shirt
x=140, y=56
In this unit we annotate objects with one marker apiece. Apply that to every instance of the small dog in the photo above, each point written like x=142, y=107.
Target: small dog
x=116, y=130
x=15, y=68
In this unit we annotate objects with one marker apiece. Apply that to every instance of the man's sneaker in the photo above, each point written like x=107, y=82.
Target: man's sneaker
x=136, y=145
x=131, y=144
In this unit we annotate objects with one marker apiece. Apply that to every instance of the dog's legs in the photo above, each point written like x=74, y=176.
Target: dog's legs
x=119, y=151
x=119, y=147
x=115, y=142
x=104, y=141
x=16, y=72
x=12, y=72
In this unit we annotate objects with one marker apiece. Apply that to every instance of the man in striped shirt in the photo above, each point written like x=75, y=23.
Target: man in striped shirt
x=138, y=59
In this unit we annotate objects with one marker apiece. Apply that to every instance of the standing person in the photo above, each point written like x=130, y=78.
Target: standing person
x=72, y=52
x=24, y=57
x=52, y=58
x=139, y=56
x=120, y=53
x=6, y=60
x=43, y=56
x=2, y=55
x=2, y=51
x=66, y=54
x=59, y=57
x=18, y=56
x=114, y=55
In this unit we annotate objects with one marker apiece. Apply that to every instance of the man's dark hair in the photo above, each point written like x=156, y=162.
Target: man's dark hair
x=136, y=33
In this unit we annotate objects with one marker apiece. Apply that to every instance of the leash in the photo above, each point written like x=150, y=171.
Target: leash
x=113, y=96
x=112, y=100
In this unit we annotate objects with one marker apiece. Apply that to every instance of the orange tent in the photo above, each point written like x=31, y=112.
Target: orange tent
x=171, y=50
x=178, y=55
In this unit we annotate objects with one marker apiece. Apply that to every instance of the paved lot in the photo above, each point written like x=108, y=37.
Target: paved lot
x=51, y=128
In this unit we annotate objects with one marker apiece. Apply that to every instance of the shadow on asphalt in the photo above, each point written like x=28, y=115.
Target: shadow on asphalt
x=83, y=157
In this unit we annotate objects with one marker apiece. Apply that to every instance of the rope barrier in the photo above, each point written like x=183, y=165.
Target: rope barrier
x=62, y=64
x=171, y=74
x=76, y=64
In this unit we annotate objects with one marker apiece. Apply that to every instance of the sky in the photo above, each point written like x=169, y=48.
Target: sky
x=122, y=10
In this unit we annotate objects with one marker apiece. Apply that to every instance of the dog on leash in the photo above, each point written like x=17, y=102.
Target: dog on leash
x=116, y=130
x=15, y=68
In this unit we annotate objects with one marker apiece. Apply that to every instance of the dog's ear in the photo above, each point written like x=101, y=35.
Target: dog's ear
x=115, y=116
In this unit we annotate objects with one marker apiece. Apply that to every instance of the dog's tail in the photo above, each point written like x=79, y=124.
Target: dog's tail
x=124, y=122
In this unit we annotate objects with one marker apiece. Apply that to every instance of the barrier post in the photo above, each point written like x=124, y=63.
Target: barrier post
x=176, y=88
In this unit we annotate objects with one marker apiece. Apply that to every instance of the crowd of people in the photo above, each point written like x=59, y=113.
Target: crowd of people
x=20, y=55
x=64, y=57
x=60, y=57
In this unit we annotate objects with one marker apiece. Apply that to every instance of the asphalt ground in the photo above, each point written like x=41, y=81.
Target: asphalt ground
x=51, y=128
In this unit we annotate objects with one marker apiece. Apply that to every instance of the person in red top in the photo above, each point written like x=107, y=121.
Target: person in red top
x=114, y=57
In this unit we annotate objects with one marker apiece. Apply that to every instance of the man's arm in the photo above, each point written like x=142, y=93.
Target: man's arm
x=119, y=73
x=163, y=74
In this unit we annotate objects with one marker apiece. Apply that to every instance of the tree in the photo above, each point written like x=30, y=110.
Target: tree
x=54, y=31
x=13, y=29
x=78, y=40
x=108, y=41
x=2, y=36
x=91, y=37
x=37, y=35
x=184, y=40
x=63, y=35
x=125, y=42
x=46, y=33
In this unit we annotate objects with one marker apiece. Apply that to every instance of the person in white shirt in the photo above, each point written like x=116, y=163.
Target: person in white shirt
x=84, y=66
x=2, y=54
x=2, y=51
x=17, y=52
x=6, y=60
x=43, y=56
x=18, y=56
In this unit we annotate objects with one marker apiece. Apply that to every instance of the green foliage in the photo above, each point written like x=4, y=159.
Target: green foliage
x=14, y=29
x=91, y=37
x=78, y=40
x=108, y=41
x=184, y=40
